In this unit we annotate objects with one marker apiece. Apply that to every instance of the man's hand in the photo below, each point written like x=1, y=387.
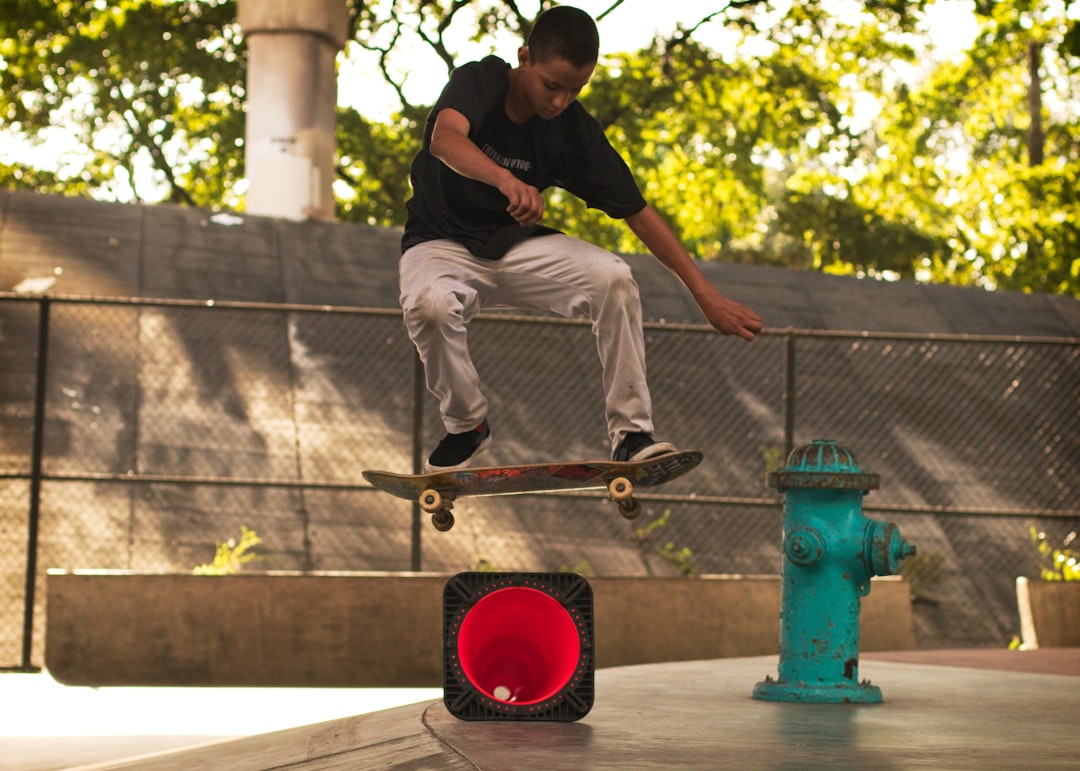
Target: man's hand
x=730, y=317
x=526, y=203
x=727, y=316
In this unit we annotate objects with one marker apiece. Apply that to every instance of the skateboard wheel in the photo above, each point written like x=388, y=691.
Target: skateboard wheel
x=431, y=501
x=620, y=489
x=630, y=509
x=443, y=520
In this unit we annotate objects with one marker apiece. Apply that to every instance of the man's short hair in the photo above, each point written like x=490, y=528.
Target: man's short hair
x=566, y=33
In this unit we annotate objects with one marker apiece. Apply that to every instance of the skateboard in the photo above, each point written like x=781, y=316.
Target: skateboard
x=435, y=492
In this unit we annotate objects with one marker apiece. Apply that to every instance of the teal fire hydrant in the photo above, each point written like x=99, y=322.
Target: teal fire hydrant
x=830, y=552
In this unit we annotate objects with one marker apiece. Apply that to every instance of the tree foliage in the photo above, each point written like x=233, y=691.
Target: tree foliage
x=140, y=88
x=820, y=134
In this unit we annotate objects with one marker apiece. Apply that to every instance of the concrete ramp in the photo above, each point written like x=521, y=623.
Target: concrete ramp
x=700, y=715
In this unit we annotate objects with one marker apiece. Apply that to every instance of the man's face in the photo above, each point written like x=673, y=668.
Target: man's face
x=550, y=86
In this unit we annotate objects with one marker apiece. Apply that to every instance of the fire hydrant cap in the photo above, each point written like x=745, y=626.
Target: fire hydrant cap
x=823, y=464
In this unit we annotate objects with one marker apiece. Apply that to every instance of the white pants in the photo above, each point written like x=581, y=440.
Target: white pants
x=443, y=287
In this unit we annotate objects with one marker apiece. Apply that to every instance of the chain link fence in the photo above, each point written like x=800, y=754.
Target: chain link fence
x=138, y=434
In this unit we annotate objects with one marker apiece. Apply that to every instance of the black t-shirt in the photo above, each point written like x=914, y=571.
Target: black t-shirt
x=569, y=151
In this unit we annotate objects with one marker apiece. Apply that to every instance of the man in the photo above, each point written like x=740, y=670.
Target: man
x=494, y=140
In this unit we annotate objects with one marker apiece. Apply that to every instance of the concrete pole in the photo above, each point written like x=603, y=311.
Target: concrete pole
x=291, y=99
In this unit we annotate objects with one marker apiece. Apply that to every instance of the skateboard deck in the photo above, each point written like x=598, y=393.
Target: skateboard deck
x=435, y=492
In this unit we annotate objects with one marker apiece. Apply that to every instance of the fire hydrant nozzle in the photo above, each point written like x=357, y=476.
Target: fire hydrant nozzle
x=804, y=547
x=885, y=548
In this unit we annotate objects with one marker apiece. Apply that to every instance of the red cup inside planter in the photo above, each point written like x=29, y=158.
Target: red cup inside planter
x=519, y=646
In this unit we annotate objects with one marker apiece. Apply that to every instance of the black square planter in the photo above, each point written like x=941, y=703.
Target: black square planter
x=518, y=646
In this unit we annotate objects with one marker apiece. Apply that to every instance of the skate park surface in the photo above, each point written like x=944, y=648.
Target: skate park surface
x=942, y=709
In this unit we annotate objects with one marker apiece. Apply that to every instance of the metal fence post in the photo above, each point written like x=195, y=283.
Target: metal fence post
x=34, y=513
x=417, y=454
x=789, y=392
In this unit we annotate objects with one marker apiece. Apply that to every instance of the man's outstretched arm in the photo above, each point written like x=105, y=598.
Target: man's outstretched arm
x=725, y=315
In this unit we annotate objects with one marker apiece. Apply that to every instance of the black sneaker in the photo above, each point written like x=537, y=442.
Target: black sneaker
x=458, y=450
x=640, y=446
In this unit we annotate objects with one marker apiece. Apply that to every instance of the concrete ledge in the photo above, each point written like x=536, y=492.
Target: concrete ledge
x=1049, y=613
x=385, y=629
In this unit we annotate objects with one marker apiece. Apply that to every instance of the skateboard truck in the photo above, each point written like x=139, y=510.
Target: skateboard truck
x=431, y=501
x=620, y=490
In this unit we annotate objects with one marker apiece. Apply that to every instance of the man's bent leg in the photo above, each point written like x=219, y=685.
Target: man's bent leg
x=574, y=278
x=442, y=288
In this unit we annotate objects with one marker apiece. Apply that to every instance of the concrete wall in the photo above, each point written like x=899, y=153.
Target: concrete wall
x=385, y=630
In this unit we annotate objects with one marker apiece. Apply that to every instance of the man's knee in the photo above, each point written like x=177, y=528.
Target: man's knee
x=431, y=307
x=618, y=282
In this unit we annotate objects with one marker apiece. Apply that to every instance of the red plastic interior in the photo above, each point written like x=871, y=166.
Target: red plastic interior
x=518, y=645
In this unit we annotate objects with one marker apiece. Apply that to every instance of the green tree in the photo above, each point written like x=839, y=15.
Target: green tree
x=147, y=86
x=373, y=164
x=950, y=185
